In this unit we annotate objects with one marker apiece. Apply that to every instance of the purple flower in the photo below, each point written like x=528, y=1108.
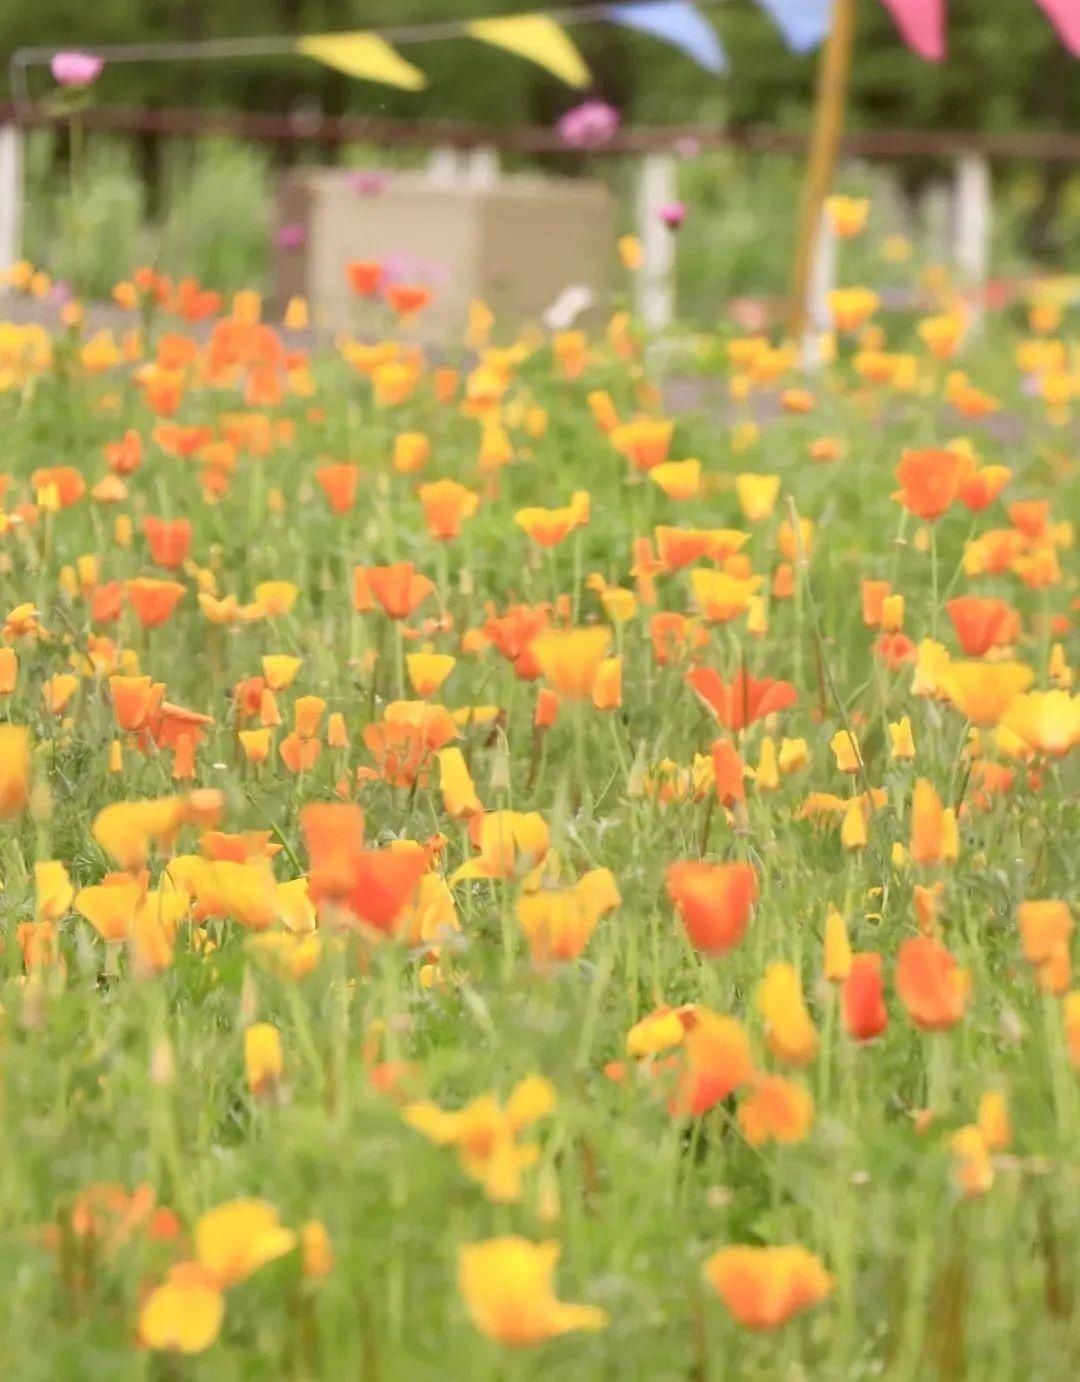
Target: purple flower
x=673, y=214
x=76, y=69
x=589, y=126
x=367, y=182
x=291, y=237
x=61, y=293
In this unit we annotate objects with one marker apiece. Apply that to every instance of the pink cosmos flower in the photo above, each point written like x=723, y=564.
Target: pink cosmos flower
x=291, y=236
x=76, y=69
x=590, y=125
x=673, y=214
x=368, y=182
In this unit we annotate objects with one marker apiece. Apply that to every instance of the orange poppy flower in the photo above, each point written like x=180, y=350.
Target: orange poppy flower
x=548, y=527
x=934, y=838
x=863, y=998
x=513, y=634
x=399, y=588
x=339, y=482
x=930, y=984
x=67, y=482
x=745, y=700
x=776, y=1110
x=153, y=600
x=762, y=1288
x=717, y=1061
x=678, y=547
x=446, y=504
x=930, y=481
x=134, y=700
x=14, y=769
x=983, y=623
x=170, y=541
x=714, y=901
x=979, y=490
x=644, y=442
x=1045, y=928
x=874, y=595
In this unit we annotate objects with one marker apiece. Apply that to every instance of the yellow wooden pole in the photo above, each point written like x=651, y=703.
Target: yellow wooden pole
x=830, y=107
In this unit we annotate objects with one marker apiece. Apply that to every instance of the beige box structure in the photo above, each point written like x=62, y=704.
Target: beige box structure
x=517, y=244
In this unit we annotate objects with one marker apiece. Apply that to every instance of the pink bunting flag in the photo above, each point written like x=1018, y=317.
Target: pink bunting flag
x=922, y=24
x=1065, y=17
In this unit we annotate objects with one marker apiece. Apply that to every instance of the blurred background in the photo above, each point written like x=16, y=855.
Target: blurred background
x=206, y=205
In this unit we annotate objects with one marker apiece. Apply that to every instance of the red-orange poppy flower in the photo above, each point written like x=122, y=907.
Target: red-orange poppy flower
x=1030, y=517
x=365, y=277
x=513, y=633
x=930, y=481
x=408, y=299
x=983, y=486
x=713, y=900
x=983, y=623
x=374, y=885
x=339, y=482
x=729, y=771
x=863, y=998
x=124, y=457
x=106, y=602
x=152, y=600
x=399, y=588
x=930, y=984
x=170, y=540
x=745, y=700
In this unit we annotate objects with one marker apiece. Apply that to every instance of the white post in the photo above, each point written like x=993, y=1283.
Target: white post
x=443, y=166
x=934, y=214
x=657, y=187
x=822, y=282
x=482, y=167
x=11, y=195
x=973, y=191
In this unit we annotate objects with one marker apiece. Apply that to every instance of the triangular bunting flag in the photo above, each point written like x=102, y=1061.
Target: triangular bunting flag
x=921, y=24
x=538, y=39
x=803, y=23
x=679, y=23
x=365, y=56
x=1065, y=17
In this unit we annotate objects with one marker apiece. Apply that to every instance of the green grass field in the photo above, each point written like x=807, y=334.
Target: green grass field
x=350, y=1051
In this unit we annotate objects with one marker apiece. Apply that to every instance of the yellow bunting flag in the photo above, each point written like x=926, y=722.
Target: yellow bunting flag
x=538, y=39
x=366, y=56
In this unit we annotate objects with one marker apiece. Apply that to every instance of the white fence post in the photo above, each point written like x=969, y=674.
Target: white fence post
x=657, y=187
x=11, y=195
x=973, y=192
x=482, y=167
x=443, y=166
x=934, y=214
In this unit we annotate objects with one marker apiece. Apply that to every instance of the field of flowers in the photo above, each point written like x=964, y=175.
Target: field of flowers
x=499, y=882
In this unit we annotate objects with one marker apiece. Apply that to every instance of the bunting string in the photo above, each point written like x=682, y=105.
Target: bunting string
x=541, y=37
